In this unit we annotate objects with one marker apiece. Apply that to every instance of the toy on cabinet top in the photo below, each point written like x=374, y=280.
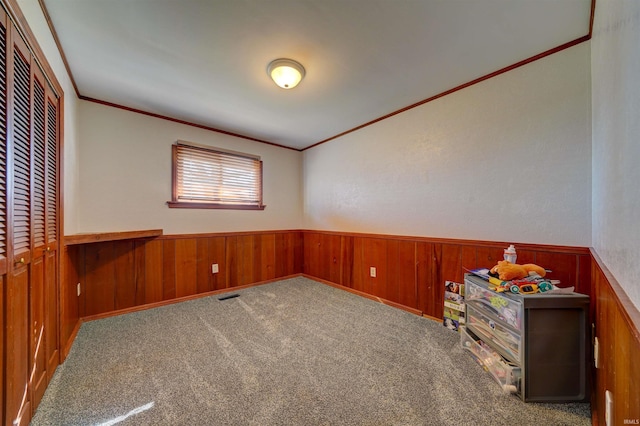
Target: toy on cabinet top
x=525, y=279
x=508, y=271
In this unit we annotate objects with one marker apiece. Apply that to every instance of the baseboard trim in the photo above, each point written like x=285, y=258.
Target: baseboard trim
x=456, y=241
x=432, y=318
x=232, y=289
x=365, y=295
x=64, y=351
x=180, y=299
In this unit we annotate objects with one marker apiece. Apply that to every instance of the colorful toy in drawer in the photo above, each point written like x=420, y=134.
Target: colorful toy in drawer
x=481, y=297
x=507, y=375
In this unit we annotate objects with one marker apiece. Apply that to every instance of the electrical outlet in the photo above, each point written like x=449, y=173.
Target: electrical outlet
x=596, y=353
x=372, y=271
x=78, y=289
x=608, y=408
x=214, y=268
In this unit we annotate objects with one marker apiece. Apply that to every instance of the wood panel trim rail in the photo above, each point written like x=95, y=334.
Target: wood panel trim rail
x=21, y=24
x=112, y=236
x=625, y=306
x=99, y=237
x=437, y=240
x=227, y=234
x=460, y=87
x=391, y=114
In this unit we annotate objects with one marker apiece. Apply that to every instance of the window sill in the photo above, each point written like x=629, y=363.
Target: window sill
x=186, y=205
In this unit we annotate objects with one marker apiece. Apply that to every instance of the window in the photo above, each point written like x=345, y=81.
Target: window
x=212, y=178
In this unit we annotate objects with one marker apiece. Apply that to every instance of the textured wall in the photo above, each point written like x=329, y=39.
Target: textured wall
x=33, y=13
x=125, y=177
x=507, y=159
x=615, y=67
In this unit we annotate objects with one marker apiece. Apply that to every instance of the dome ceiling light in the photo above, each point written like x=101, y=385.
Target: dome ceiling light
x=286, y=73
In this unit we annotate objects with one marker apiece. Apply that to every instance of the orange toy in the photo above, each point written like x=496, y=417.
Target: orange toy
x=508, y=271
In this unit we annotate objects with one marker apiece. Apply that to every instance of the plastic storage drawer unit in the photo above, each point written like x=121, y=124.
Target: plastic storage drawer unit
x=508, y=376
x=492, y=331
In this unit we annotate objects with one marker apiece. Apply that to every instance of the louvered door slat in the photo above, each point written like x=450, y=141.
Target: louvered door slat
x=21, y=157
x=52, y=173
x=38, y=164
x=3, y=139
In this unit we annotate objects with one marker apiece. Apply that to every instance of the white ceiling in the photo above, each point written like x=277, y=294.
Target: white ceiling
x=204, y=61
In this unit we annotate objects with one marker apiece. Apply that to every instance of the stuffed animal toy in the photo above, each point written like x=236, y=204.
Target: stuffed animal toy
x=508, y=271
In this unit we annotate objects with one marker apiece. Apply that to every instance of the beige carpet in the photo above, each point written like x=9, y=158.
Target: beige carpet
x=294, y=352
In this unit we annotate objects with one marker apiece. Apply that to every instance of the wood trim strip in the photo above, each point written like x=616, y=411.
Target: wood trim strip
x=592, y=18
x=186, y=123
x=365, y=295
x=15, y=15
x=181, y=299
x=47, y=17
x=227, y=234
x=432, y=318
x=65, y=347
x=625, y=306
x=457, y=88
x=189, y=205
x=500, y=244
x=110, y=236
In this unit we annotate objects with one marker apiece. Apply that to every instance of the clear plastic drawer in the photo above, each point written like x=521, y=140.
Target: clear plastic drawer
x=507, y=375
x=494, y=332
x=506, y=309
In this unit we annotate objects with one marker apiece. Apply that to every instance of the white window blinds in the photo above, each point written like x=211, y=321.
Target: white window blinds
x=208, y=177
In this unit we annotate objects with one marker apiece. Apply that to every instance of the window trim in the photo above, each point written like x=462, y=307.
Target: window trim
x=175, y=203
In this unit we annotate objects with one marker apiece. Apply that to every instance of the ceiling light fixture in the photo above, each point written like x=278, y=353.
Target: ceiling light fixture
x=286, y=73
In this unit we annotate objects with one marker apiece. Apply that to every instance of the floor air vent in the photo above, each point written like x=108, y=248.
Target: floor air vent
x=228, y=296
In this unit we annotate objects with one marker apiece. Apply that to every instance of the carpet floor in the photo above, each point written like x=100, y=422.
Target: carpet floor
x=293, y=352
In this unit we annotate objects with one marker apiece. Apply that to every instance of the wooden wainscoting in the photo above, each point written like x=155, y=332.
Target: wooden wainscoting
x=617, y=327
x=129, y=274
x=72, y=266
x=411, y=271
x=116, y=276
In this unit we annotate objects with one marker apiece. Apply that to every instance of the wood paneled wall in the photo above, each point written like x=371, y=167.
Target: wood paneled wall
x=412, y=271
x=124, y=274
x=118, y=275
x=617, y=327
x=121, y=275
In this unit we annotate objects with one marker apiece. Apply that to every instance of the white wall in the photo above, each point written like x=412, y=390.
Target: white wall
x=125, y=177
x=508, y=159
x=33, y=13
x=615, y=67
